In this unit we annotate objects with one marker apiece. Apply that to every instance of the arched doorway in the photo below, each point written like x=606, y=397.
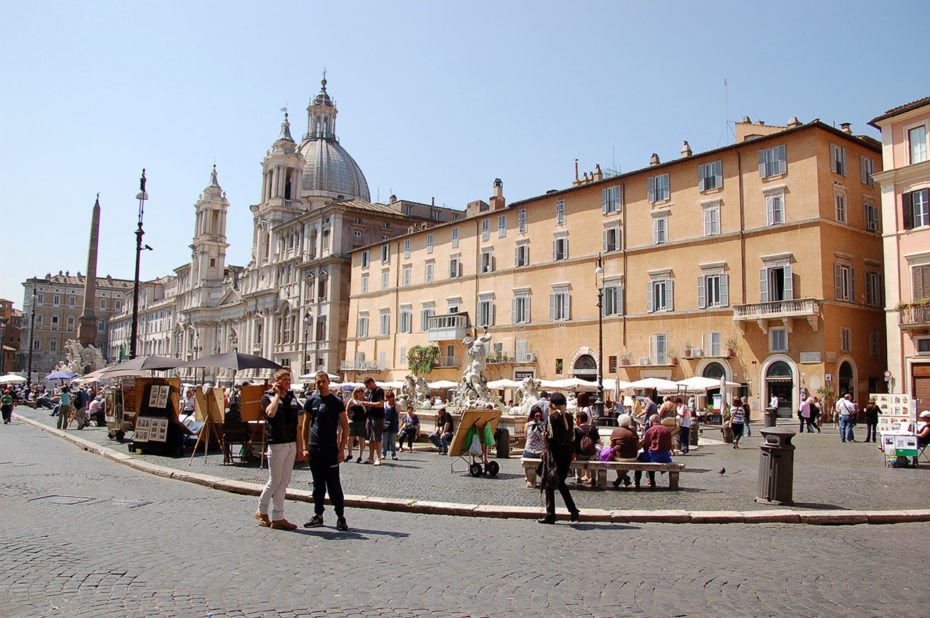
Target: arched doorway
x=779, y=381
x=846, y=380
x=585, y=368
x=714, y=371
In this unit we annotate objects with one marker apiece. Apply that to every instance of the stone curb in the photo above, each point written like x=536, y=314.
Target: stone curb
x=783, y=515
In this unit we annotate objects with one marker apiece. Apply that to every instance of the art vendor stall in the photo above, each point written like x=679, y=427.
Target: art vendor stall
x=155, y=403
x=897, y=423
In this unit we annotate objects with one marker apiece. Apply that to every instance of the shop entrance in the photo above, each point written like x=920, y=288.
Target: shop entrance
x=780, y=383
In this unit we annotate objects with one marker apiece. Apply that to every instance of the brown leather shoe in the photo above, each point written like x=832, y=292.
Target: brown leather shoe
x=263, y=520
x=283, y=524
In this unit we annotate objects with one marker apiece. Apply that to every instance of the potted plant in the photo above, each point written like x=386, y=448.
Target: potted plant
x=687, y=350
x=731, y=347
x=673, y=360
x=625, y=359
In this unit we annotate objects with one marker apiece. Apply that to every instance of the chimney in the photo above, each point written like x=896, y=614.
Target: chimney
x=844, y=127
x=598, y=175
x=793, y=122
x=685, y=150
x=653, y=160
x=433, y=201
x=497, y=199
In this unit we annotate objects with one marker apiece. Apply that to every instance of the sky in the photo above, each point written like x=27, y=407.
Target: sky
x=436, y=100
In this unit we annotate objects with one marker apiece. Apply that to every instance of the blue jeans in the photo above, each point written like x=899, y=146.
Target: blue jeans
x=388, y=443
x=442, y=442
x=846, y=427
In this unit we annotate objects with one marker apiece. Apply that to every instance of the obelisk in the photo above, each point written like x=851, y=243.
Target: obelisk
x=87, y=331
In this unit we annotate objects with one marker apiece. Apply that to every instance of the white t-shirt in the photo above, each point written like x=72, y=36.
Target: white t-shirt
x=684, y=416
x=845, y=406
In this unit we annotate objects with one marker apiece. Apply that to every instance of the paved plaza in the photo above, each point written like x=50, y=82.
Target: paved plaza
x=86, y=536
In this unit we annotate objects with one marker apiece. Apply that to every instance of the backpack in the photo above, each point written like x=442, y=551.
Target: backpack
x=588, y=446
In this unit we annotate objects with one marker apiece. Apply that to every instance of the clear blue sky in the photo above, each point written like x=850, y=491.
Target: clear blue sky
x=435, y=99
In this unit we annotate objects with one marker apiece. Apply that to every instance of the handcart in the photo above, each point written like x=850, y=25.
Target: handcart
x=482, y=423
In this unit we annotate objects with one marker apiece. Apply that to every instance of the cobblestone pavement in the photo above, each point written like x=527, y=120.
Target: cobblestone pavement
x=82, y=535
x=827, y=474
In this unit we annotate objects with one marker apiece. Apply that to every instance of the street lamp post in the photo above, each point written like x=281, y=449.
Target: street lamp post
x=599, y=283
x=32, y=336
x=141, y=196
x=307, y=321
x=3, y=322
x=197, y=349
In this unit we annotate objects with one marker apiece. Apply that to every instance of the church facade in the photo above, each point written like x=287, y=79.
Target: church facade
x=290, y=302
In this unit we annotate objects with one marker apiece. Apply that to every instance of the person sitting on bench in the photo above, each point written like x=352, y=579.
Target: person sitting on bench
x=657, y=448
x=625, y=445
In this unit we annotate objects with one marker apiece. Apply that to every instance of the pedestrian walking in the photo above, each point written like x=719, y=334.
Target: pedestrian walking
x=737, y=421
x=6, y=405
x=64, y=408
x=684, y=424
x=391, y=424
x=326, y=435
x=846, y=410
x=745, y=405
x=871, y=420
x=280, y=408
x=560, y=448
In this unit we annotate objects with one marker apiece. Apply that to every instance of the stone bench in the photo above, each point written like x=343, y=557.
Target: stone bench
x=599, y=469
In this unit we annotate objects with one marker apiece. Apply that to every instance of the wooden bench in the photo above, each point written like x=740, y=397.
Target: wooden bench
x=600, y=469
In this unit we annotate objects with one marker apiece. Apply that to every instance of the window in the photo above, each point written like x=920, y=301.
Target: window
x=776, y=283
x=658, y=349
x=322, y=287
x=660, y=229
x=522, y=255
x=712, y=219
x=364, y=285
x=710, y=176
x=362, y=327
x=406, y=247
x=429, y=272
x=405, y=277
x=40, y=298
x=915, y=209
x=845, y=339
x=385, y=279
x=874, y=289
x=560, y=212
x=917, y=144
x=922, y=344
x=920, y=281
x=455, y=238
x=772, y=162
x=872, y=218
x=384, y=327
x=501, y=226
x=117, y=305
x=356, y=234
x=455, y=267
x=612, y=239
x=840, y=199
x=775, y=208
x=487, y=260
x=53, y=344
x=521, y=220
x=321, y=334
x=611, y=199
x=35, y=345
x=560, y=305
x=560, y=249
x=366, y=257
x=612, y=364
x=485, y=229
x=778, y=340
x=429, y=243
x=520, y=313
x=485, y=310
x=658, y=190
x=71, y=301
x=837, y=159
x=428, y=310
x=713, y=290
x=659, y=295
x=843, y=284
x=713, y=344
x=873, y=347
x=612, y=303
x=453, y=304
x=405, y=319
x=385, y=253
x=56, y=300
x=558, y=366
x=866, y=169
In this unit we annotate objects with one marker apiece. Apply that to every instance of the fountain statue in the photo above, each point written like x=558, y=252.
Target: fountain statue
x=415, y=392
x=472, y=390
x=525, y=396
x=82, y=359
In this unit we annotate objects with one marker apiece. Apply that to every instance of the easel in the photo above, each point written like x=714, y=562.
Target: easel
x=209, y=408
x=250, y=398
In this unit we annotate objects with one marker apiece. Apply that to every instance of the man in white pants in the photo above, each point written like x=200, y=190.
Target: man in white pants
x=280, y=408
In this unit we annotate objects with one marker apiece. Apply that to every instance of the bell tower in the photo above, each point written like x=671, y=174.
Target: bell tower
x=209, y=247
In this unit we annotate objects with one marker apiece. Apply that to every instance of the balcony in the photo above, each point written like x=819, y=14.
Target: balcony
x=360, y=365
x=781, y=312
x=449, y=327
x=915, y=315
x=446, y=361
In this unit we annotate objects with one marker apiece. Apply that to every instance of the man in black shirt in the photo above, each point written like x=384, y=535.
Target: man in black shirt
x=374, y=426
x=326, y=434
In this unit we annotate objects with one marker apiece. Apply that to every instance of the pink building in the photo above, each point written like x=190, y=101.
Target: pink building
x=905, y=190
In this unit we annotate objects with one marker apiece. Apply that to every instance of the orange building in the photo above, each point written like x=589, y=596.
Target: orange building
x=760, y=261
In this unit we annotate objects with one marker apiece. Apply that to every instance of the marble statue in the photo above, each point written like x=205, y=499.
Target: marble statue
x=82, y=359
x=472, y=390
x=525, y=396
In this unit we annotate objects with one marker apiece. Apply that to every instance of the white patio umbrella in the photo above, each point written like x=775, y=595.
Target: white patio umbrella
x=656, y=383
x=441, y=385
x=12, y=378
x=612, y=384
x=504, y=383
x=700, y=383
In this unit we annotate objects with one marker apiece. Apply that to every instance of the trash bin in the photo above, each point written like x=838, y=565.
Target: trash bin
x=693, y=434
x=776, y=466
x=770, y=415
x=502, y=442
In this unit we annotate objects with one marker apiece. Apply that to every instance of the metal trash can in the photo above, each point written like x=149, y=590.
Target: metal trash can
x=776, y=466
x=770, y=415
x=502, y=442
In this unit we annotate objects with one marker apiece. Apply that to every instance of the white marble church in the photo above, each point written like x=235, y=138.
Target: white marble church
x=290, y=302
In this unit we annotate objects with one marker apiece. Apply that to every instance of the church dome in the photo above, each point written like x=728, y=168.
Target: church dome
x=328, y=168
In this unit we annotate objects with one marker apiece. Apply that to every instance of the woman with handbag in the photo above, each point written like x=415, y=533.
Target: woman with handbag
x=391, y=424
x=557, y=458
x=737, y=421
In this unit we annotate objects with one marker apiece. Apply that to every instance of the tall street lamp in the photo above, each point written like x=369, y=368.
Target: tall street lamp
x=3, y=322
x=599, y=283
x=32, y=336
x=141, y=196
x=307, y=321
